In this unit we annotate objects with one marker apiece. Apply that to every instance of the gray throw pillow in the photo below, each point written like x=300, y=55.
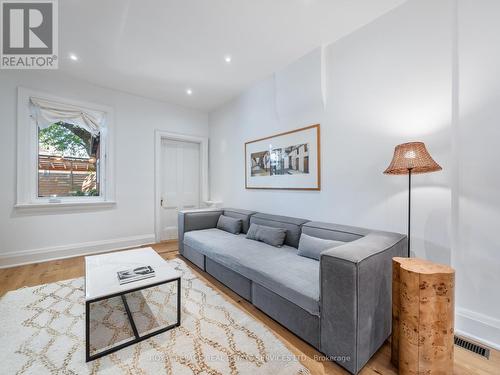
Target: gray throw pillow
x=229, y=224
x=312, y=247
x=270, y=235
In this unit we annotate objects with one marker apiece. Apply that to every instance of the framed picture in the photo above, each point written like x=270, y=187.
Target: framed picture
x=288, y=161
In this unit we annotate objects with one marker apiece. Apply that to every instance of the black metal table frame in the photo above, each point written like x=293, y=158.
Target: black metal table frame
x=137, y=338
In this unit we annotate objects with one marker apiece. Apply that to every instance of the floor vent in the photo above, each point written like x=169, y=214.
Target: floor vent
x=463, y=343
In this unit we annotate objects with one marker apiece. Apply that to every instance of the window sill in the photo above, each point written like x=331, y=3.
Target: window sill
x=61, y=205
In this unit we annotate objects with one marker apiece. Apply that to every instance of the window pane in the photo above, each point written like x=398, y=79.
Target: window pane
x=68, y=161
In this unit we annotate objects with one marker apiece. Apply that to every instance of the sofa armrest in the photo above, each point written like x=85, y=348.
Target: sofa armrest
x=196, y=220
x=355, y=297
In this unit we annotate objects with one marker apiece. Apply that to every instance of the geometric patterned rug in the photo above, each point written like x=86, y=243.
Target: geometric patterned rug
x=42, y=331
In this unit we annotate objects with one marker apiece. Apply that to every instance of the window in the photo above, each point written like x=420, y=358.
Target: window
x=63, y=152
x=68, y=161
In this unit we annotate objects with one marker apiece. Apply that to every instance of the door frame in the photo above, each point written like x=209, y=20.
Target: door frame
x=203, y=142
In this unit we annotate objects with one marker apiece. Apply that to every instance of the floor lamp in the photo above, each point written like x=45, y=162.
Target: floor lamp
x=411, y=158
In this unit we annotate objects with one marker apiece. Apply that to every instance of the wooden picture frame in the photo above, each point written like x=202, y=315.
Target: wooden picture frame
x=285, y=161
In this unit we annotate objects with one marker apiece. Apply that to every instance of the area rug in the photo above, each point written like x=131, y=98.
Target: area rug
x=42, y=332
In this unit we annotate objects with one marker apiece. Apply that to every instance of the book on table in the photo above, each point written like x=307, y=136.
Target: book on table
x=135, y=274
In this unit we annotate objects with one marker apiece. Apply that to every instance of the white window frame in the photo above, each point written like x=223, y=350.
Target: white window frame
x=27, y=156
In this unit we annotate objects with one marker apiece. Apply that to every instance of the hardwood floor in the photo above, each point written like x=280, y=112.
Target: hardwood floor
x=47, y=272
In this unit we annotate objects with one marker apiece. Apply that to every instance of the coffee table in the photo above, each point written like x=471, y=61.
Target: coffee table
x=101, y=282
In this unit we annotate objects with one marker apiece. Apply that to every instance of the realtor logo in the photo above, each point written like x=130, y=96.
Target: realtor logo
x=29, y=34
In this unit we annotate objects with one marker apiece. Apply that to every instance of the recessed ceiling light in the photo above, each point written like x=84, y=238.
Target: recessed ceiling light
x=227, y=58
x=73, y=57
x=189, y=92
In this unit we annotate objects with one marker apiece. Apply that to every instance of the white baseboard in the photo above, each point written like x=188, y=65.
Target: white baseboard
x=18, y=258
x=478, y=327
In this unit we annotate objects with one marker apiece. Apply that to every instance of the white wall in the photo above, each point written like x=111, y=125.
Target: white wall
x=477, y=255
x=387, y=83
x=29, y=236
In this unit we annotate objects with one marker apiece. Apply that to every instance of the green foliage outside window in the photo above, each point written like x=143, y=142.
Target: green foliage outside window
x=66, y=139
x=90, y=193
x=64, y=170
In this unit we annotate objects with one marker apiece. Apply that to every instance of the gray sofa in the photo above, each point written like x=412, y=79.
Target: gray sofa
x=340, y=304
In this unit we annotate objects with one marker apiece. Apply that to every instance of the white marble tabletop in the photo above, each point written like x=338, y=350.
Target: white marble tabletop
x=100, y=271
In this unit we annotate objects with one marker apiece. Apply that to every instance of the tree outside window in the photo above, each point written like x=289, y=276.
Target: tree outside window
x=68, y=161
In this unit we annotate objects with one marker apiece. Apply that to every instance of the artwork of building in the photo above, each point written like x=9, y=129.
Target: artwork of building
x=290, y=160
x=260, y=163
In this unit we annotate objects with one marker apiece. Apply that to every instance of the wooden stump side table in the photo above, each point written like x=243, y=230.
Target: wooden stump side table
x=423, y=305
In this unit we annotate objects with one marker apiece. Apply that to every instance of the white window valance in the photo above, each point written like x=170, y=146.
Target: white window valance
x=47, y=112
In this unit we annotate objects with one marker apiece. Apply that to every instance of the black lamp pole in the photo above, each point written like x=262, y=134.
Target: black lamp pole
x=409, y=209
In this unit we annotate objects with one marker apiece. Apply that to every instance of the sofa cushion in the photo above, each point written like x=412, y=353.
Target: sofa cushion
x=228, y=224
x=312, y=247
x=291, y=224
x=335, y=232
x=243, y=215
x=280, y=270
x=271, y=236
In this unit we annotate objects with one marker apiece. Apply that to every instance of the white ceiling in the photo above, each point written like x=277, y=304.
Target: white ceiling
x=159, y=48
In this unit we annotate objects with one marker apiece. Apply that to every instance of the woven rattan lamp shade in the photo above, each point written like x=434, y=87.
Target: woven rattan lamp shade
x=414, y=156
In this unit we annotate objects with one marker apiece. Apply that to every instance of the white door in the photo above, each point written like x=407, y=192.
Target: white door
x=180, y=183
